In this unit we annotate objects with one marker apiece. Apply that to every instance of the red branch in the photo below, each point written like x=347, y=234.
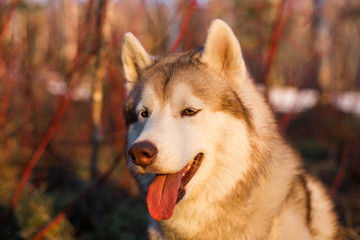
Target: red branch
x=35, y=157
x=78, y=65
x=285, y=121
x=184, y=25
x=102, y=179
x=356, y=155
x=342, y=169
x=9, y=88
x=5, y=26
x=6, y=99
x=275, y=36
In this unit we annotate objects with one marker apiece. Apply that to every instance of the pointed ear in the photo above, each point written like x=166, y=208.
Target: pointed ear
x=134, y=58
x=222, y=50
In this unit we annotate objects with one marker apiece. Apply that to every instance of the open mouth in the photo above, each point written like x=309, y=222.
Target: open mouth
x=168, y=189
x=190, y=170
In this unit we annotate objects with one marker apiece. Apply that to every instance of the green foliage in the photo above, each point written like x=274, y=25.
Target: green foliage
x=127, y=220
x=35, y=211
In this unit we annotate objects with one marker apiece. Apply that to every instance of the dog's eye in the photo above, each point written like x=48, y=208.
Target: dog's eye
x=144, y=113
x=188, y=112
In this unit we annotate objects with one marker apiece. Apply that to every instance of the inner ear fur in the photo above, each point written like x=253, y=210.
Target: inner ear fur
x=134, y=59
x=222, y=50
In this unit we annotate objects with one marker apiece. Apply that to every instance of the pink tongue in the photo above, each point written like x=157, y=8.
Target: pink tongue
x=162, y=195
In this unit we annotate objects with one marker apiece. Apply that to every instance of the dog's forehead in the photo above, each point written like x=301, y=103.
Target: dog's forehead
x=176, y=82
x=181, y=79
x=178, y=94
x=176, y=79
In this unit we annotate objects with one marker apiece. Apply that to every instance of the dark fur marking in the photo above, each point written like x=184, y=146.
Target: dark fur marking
x=308, y=200
x=167, y=80
x=168, y=70
x=168, y=75
x=233, y=104
x=129, y=111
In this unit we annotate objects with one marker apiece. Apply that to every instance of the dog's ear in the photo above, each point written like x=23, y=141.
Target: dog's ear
x=222, y=50
x=134, y=58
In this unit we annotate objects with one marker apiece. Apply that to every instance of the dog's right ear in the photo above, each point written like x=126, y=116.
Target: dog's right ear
x=222, y=50
x=134, y=59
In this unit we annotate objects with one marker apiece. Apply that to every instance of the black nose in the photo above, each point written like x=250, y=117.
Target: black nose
x=142, y=153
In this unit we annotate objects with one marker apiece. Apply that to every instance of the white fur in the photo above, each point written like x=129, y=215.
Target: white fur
x=179, y=139
x=227, y=143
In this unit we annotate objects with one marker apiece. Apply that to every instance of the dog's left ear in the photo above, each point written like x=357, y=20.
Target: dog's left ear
x=222, y=50
x=134, y=58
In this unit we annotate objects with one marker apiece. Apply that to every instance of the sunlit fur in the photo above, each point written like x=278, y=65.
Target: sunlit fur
x=251, y=184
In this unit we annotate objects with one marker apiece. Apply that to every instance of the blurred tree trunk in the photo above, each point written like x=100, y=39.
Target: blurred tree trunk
x=319, y=76
x=97, y=94
x=314, y=43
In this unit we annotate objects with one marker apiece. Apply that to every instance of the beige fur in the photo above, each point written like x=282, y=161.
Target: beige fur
x=251, y=184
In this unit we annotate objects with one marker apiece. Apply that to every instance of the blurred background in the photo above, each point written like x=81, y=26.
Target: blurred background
x=62, y=168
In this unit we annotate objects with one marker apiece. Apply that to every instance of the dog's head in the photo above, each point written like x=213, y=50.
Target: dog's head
x=180, y=113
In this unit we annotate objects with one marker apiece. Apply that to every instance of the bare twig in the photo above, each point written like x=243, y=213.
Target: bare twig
x=79, y=65
x=184, y=25
x=10, y=86
x=285, y=120
x=7, y=21
x=35, y=157
x=275, y=36
x=5, y=101
x=355, y=166
x=342, y=169
x=100, y=180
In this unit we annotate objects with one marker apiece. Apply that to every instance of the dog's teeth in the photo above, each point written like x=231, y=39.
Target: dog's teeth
x=188, y=167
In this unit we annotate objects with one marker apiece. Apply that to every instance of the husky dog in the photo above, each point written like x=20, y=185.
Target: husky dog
x=205, y=148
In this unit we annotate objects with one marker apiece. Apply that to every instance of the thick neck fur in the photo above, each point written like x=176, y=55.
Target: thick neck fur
x=244, y=188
